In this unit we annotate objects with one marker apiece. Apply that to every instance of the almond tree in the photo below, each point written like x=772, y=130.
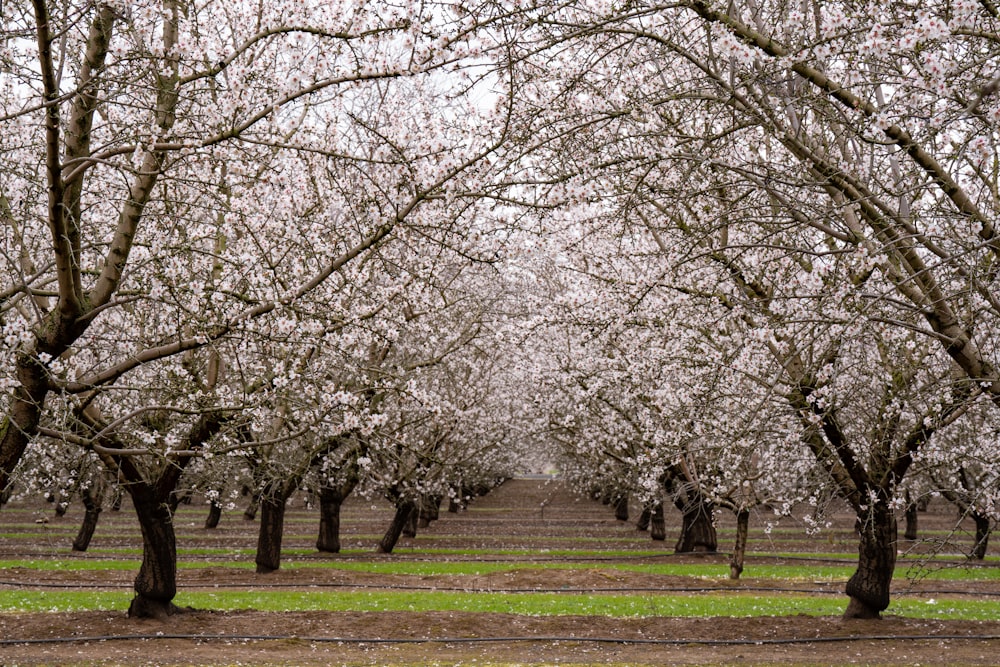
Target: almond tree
x=764, y=148
x=163, y=167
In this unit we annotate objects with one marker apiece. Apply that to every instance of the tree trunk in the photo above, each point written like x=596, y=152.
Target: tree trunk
x=250, y=513
x=410, y=525
x=982, y=536
x=404, y=508
x=330, y=500
x=697, y=528
x=156, y=584
x=657, y=525
x=214, y=515
x=740, y=547
x=868, y=588
x=643, y=522
x=117, y=499
x=429, y=511
x=92, y=501
x=62, y=500
x=621, y=507
x=272, y=527
x=911, y=519
x=26, y=402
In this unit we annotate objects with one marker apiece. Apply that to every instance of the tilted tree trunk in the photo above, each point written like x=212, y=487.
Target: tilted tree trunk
x=93, y=499
x=250, y=513
x=643, y=522
x=23, y=415
x=156, y=584
x=404, y=508
x=740, y=546
x=697, y=527
x=657, y=524
x=214, y=514
x=868, y=587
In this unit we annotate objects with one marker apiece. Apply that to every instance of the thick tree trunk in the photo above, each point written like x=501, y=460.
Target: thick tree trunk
x=214, y=515
x=330, y=501
x=404, y=508
x=92, y=500
x=272, y=528
x=697, y=528
x=740, y=547
x=982, y=536
x=156, y=584
x=621, y=507
x=868, y=588
x=657, y=524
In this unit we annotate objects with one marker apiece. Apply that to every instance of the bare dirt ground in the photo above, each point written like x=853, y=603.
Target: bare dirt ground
x=534, y=514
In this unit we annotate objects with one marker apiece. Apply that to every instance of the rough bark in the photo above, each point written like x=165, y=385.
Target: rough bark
x=156, y=584
x=404, y=508
x=868, y=587
x=740, y=546
x=272, y=528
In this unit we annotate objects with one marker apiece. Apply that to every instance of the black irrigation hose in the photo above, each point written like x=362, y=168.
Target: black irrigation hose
x=461, y=589
x=504, y=640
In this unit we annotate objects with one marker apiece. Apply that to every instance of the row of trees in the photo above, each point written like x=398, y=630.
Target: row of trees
x=716, y=256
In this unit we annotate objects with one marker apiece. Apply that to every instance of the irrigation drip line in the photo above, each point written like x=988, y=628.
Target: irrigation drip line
x=502, y=640
x=461, y=589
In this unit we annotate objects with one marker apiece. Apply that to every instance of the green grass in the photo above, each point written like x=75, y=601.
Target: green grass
x=736, y=605
x=701, y=571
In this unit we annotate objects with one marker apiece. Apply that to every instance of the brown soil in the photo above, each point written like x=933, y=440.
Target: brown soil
x=528, y=513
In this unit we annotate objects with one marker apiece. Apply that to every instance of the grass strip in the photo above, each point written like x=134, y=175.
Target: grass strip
x=698, y=571
x=529, y=604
